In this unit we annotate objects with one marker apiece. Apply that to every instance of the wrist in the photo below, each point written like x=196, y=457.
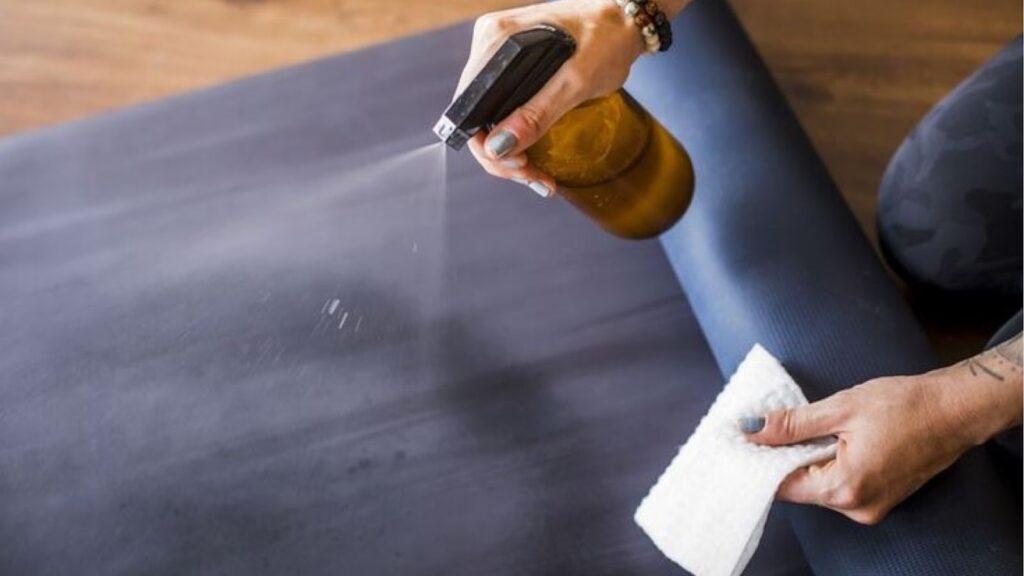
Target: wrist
x=978, y=405
x=611, y=12
x=650, y=19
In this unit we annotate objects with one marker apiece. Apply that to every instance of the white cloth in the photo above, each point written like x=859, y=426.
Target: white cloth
x=708, y=509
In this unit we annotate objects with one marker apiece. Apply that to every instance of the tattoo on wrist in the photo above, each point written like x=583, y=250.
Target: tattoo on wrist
x=1000, y=362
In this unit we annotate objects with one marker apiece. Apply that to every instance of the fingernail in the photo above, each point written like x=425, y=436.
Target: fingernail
x=751, y=424
x=540, y=188
x=517, y=162
x=501, y=143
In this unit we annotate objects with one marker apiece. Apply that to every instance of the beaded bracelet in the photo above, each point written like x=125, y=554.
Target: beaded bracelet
x=653, y=23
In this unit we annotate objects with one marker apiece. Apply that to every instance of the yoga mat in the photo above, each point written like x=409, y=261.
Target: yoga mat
x=181, y=391
x=769, y=253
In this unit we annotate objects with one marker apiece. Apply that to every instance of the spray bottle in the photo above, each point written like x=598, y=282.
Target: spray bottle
x=610, y=157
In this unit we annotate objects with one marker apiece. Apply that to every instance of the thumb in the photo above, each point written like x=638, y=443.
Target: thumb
x=808, y=485
x=524, y=126
x=793, y=425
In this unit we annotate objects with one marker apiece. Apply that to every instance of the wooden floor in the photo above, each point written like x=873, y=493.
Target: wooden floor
x=858, y=74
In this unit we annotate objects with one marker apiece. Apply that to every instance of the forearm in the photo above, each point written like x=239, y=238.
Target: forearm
x=987, y=390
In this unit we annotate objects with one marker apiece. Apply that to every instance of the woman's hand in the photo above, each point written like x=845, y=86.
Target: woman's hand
x=607, y=44
x=896, y=433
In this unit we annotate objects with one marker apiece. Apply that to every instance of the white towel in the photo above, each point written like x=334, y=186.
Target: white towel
x=708, y=509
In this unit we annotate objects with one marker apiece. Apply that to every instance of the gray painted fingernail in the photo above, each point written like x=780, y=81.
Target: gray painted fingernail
x=751, y=424
x=540, y=188
x=517, y=162
x=501, y=143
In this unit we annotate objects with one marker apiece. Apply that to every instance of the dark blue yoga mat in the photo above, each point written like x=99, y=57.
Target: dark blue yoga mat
x=235, y=342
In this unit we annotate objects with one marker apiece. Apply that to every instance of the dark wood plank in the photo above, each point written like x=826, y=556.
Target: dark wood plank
x=64, y=59
x=860, y=75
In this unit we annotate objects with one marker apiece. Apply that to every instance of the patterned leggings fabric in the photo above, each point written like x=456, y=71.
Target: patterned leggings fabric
x=949, y=214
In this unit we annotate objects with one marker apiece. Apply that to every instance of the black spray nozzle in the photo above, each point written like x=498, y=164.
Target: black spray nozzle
x=517, y=71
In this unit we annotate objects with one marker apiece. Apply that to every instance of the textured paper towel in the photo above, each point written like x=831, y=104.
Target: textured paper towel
x=708, y=509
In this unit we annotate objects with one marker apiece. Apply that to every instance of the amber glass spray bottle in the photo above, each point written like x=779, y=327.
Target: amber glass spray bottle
x=610, y=157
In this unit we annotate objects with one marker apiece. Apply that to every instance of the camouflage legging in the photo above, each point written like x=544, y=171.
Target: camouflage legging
x=949, y=213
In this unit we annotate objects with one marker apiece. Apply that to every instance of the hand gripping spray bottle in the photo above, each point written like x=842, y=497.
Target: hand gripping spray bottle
x=611, y=159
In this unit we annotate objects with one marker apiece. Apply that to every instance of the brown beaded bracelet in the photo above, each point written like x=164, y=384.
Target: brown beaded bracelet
x=653, y=24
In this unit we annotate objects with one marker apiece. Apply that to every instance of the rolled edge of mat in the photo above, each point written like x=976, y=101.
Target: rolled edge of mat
x=769, y=250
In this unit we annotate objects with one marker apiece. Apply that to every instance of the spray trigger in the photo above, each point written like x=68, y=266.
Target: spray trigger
x=516, y=72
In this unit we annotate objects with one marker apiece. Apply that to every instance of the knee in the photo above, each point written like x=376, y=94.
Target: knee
x=912, y=231
x=941, y=236
x=949, y=207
